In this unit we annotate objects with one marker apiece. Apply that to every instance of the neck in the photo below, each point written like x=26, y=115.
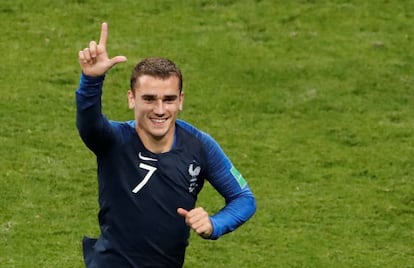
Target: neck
x=156, y=145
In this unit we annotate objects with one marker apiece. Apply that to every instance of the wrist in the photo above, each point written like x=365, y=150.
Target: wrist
x=91, y=80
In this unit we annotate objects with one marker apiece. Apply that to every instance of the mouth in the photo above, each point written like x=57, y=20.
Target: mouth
x=158, y=121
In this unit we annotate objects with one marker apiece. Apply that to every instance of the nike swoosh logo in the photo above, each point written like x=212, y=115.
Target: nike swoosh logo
x=146, y=158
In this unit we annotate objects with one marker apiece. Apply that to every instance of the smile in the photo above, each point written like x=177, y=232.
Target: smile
x=158, y=121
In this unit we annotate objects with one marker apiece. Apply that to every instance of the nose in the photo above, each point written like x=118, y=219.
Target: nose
x=159, y=108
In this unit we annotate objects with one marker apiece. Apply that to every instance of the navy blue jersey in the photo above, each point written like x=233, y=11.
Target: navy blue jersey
x=139, y=191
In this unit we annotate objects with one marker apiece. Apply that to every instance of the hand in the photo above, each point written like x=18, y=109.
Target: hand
x=94, y=59
x=198, y=220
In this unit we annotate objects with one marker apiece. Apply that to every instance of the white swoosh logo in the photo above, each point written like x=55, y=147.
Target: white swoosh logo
x=146, y=158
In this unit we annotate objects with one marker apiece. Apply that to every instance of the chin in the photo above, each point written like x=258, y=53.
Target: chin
x=159, y=133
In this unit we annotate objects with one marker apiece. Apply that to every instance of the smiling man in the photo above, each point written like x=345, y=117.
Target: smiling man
x=156, y=98
x=151, y=169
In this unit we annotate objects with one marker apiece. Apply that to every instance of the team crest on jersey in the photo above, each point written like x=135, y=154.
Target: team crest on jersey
x=193, y=170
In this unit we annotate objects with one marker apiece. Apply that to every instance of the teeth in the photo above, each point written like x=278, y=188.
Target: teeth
x=158, y=120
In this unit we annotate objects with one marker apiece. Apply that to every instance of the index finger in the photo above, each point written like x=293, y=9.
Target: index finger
x=104, y=34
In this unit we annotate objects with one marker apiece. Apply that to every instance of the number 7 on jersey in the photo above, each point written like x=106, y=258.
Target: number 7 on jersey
x=150, y=170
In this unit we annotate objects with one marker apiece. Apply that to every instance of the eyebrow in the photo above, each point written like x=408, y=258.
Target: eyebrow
x=153, y=97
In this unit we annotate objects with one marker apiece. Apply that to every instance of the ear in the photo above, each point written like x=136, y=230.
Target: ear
x=180, y=108
x=131, y=99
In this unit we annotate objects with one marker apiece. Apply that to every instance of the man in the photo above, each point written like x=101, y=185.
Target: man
x=151, y=169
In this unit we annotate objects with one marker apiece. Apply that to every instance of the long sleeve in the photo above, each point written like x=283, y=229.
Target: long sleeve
x=224, y=177
x=240, y=201
x=93, y=127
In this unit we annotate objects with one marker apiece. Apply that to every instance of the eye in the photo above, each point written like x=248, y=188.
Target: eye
x=170, y=99
x=148, y=99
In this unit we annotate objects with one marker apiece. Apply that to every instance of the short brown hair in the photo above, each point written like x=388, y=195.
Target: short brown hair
x=157, y=67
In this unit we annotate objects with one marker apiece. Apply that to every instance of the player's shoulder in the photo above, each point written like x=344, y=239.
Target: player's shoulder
x=193, y=139
x=123, y=130
x=192, y=132
x=190, y=129
x=123, y=125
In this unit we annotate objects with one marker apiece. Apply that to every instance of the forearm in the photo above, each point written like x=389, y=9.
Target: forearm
x=234, y=214
x=89, y=119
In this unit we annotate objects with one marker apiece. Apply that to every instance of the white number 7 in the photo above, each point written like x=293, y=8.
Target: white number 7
x=151, y=171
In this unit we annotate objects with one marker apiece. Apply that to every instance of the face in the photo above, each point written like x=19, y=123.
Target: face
x=156, y=104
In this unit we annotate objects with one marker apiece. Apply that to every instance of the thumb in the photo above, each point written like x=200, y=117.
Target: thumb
x=118, y=59
x=182, y=212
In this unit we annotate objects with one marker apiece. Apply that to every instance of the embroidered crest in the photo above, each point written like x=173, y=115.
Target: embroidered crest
x=193, y=171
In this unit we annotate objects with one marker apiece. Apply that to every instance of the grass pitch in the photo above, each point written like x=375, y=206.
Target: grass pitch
x=313, y=102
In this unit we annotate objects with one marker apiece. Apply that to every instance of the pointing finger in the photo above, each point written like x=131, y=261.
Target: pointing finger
x=104, y=34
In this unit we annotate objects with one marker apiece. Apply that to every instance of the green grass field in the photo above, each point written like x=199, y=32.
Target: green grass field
x=312, y=100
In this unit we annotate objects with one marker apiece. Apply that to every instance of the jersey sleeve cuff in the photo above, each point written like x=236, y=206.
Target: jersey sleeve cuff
x=91, y=81
x=216, y=230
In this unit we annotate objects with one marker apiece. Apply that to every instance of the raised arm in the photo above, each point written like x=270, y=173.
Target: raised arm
x=94, y=128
